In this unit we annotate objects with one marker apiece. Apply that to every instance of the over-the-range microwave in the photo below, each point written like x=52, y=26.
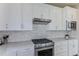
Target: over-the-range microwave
x=71, y=24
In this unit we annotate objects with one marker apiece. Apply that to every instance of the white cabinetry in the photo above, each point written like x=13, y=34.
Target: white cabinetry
x=66, y=48
x=25, y=52
x=56, y=14
x=3, y=16
x=72, y=47
x=20, y=49
x=41, y=11
x=59, y=19
x=61, y=48
x=26, y=23
x=14, y=17
x=62, y=16
x=52, y=25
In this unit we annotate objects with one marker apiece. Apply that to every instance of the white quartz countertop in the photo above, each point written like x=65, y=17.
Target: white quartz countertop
x=60, y=39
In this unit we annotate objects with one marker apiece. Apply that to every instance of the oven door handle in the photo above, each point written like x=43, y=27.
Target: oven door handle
x=44, y=48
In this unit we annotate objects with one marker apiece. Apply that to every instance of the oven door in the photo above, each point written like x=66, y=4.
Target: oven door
x=45, y=51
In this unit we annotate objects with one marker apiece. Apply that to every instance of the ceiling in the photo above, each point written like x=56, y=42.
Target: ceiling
x=64, y=4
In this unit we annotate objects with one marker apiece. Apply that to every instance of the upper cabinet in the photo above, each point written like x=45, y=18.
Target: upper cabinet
x=14, y=17
x=37, y=11
x=69, y=14
x=3, y=16
x=56, y=17
x=52, y=25
x=26, y=17
x=41, y=11
x=59, y=20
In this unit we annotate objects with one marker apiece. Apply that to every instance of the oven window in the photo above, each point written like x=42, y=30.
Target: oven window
x=47, y=52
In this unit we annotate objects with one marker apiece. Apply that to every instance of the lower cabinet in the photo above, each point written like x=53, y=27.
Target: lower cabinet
x=10, y=53
x=73, y=47
x=66, y=48
x=20, y=51
x=60, y=48
x=25, y=52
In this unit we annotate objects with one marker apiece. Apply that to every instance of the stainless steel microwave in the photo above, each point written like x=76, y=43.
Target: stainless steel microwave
x=72, y=25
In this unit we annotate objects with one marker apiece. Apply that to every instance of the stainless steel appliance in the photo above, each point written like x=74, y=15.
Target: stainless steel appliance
x=41, y=21
x=43, y=47
x=71, y=25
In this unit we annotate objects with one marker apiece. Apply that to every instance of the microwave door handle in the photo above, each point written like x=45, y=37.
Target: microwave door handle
x=69, y=24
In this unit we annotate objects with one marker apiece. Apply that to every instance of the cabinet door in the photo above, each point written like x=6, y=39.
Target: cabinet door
x=41, y=11
x=70, y=47
x=14, y=17
x=25, y=52
x=74, y=15
x=75, y=47
x=59, y=19
x=68, y=13
x=52, y=24
x=3, y=16
x=37, y=10
x=10, y=53
x=61, y=48
x=64, y=19
x=46, y=11
x=27, y=17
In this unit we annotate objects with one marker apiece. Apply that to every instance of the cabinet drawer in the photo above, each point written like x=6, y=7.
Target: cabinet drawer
x=64, y=53
x=61, y=48
x=25, y=52
x=59, y=51
x=61, y=43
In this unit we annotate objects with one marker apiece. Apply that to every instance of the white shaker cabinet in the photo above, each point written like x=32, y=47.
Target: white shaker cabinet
x=52, y=24
x=46, y=11
x=25, y=52
x=41, y=11
x=73, y=47
x=20, y=17
x=3, y=16
x=74, y=14
x=37, y=10
x=66, y=48
x=59, y=22
x=56, y=17
x=60, y=48
x=70, y=47
x=14, y=17
x=26, y=23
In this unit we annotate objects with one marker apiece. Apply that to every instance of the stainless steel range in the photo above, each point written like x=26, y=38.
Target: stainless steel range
x=43, y=47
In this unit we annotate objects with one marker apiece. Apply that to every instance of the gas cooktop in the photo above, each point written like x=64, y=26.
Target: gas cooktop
x=41, y=41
